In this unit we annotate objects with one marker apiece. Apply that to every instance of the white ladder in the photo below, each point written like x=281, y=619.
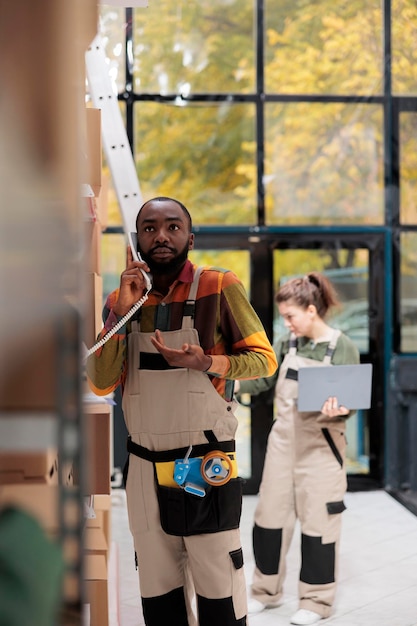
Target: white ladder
x=115, y=141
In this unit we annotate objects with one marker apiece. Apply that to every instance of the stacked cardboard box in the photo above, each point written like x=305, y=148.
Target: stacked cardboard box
x=97, y=513
x=96, y=590
x=97, y=415
x=97, y=543
x=42, y=121
x=93, y=226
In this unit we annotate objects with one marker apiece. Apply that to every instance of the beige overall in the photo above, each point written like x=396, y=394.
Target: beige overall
x=172, y=408
x=304, y=478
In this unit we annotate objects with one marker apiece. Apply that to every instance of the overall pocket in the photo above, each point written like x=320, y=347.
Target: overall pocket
x=185, y=514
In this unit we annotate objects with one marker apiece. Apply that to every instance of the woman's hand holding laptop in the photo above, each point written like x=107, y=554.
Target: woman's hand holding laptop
x=331, y=408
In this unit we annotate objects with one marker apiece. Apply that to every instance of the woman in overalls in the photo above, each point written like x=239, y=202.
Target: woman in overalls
x=177, y=361
x=304, y=474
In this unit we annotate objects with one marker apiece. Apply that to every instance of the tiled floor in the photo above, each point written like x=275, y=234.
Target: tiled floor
x=378, y=566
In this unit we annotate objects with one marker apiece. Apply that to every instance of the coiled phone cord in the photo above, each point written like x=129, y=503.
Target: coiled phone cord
x=117, y=326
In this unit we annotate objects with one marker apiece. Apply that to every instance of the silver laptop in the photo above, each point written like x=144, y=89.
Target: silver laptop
x=351, y=384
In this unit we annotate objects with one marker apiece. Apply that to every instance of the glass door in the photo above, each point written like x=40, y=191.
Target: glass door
x=355, y=263
x=349, y=272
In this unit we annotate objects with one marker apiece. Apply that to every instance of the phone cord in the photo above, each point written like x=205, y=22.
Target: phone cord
x=117, y=326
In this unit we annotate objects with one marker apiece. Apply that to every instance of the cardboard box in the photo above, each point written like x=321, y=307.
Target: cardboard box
x=89, y=12
x=94, y=542
x=93, y=245
x=30, y=467
x=101, y=505
x=40, y=501
x=102, y=202
x=66, y=471
x=94, y=149
x=94, y=299
x=96, y=589
x=97, y=461
x=31, y=383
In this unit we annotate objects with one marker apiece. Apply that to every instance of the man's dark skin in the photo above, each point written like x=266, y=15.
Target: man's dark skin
x=164, y=239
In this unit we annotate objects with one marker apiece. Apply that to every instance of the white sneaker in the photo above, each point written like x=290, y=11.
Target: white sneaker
x=254, y=606
x=304, y=617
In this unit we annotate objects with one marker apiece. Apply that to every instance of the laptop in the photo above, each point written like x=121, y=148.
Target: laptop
x=351, y=384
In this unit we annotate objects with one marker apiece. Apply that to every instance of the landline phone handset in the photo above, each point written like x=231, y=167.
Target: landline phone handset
x=132, y=239
x=133, y=243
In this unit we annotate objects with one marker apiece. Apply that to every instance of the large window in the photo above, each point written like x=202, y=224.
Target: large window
x=269, y=112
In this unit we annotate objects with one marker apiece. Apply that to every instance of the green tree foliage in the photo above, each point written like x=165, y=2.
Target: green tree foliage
x=324, y=162
x=203, y=153
x=237, y=261
x=404, y=48
x=197, y=156
x=408, y=168
x=192, y=46
x=324, y=47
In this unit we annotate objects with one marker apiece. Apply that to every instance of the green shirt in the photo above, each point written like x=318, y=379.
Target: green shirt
x=346, y=353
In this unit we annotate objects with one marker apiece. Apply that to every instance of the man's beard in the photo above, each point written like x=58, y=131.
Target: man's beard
x=170, y=267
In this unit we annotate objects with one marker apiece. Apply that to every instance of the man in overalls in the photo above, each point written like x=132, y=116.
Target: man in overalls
x=177, y=361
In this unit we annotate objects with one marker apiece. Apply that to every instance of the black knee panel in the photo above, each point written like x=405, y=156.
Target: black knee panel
x=267, y=548
x=170, y=606
x=219, y=611
x=318, y=561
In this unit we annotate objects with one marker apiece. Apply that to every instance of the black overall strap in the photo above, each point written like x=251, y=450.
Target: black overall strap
x=332, y=346
x=162, y=456
x=189, y=305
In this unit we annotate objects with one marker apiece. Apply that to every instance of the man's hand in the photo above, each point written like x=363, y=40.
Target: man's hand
x=190, y=356
x=132, y=284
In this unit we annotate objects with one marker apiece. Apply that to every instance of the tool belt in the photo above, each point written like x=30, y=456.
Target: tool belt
x=164, y=461
x=183, y=513
x=160, y=456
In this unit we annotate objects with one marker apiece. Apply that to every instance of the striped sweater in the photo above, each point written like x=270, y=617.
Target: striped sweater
x=229, y=330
